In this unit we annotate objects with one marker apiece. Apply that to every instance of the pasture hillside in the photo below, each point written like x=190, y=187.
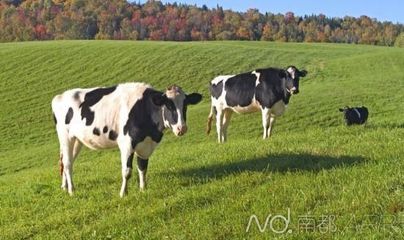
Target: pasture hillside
x=348, y=180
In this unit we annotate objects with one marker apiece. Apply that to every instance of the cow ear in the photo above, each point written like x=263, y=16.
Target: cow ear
x=303, y=73
x=159, y=99
x=341, y=110
x=193, y=98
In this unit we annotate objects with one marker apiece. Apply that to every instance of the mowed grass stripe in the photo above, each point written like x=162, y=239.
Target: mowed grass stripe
x=197, y=188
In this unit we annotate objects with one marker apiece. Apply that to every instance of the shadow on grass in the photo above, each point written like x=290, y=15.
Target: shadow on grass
x=274, y=163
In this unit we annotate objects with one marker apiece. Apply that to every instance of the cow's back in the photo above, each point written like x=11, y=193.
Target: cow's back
x=96, y=115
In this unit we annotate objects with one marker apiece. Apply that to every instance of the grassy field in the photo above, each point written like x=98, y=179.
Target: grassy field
x=349, y=181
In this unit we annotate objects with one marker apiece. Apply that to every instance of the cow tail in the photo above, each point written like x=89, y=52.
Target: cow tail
x=210, y=118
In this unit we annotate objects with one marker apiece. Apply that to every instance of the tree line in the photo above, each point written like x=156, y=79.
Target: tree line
x=125, y=20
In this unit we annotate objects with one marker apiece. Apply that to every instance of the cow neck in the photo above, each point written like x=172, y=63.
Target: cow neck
x=286, y=93
x=159, y=120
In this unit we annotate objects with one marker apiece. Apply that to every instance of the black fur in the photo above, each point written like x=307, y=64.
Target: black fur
x=351, y=116
x=96, y=131
x=76, y=96
x=105, y=129
x=140, y=123
x=90, y=99
x=129, y=161
x=69, y=116
x=240, y=89
x=216, y=90
x=272, y=87
x=170, y=112
x=142, y=164
x=112, y=135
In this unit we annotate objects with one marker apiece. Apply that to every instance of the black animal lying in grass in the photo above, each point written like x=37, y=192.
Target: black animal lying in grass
x=355, y=115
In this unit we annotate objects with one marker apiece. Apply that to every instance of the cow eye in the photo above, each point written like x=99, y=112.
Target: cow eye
x=170, y=106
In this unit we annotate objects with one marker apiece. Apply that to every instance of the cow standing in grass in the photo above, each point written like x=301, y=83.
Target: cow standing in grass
x=355, y=115
x=130, y=116
x=268, y=90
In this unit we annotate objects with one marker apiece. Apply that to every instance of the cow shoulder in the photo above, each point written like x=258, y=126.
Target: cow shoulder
x=142, y=119
x=269, y=89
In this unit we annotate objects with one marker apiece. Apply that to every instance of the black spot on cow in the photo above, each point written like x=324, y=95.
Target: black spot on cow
x=96, y=131
x=140, y=123
x=272, y=87
x=105, y=129
x=76, y=96
x=240, y=89
x=54, y=118
x=216, y=89
x=112, y=135
x=129, y=161
x=142, y=163
x=170, y=112
x=69, y=115
x=90, y=99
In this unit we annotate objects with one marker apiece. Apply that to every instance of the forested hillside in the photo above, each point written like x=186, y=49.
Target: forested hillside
x=130, y=20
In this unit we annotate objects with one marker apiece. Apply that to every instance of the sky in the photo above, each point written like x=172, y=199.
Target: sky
x=383, y=10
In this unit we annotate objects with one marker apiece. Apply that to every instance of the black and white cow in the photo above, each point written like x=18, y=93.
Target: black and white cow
x=355, y=115
x=130, y=116
x=268, y=90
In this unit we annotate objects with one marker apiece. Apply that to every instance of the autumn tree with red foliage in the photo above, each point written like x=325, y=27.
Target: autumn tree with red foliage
x=122, y=20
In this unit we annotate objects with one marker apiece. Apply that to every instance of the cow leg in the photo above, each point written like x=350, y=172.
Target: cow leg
x=226, y=122
x=265, y=122
x=66, y=157
x=76, y=150
x=64, y=180
x=142, y=169
x=219, y=124
x=126, y=160
x=271, y=123
x=67, y=161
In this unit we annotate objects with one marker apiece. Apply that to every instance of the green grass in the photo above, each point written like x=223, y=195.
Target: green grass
x=198, y=189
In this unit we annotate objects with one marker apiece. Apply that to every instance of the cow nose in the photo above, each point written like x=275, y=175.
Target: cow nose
x=182, y=130
x=294, y=90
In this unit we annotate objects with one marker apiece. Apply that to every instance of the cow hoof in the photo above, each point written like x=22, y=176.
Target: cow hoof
x=123, y=194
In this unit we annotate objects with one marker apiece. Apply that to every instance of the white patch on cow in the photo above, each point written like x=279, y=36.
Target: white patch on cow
x=142, y=179
x=253, y=107
x=292, y=72
x=357, y=112
x=217, y=79
x=257, y=81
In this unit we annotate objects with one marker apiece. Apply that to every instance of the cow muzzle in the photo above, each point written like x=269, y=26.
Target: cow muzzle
x=294, y=91
x=180, y=130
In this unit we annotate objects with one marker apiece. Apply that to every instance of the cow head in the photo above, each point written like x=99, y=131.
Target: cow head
x=174, y=104
x=295, y=74
x=287, y=81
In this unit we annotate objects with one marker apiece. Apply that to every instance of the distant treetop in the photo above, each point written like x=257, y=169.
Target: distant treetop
x=129, y=20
